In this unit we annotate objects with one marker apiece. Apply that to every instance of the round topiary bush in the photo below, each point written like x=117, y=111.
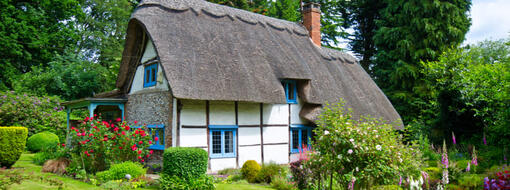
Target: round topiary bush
x=119, y=171
x=250, y=170
x=185, y=162
x=42, y=140
x=12, y=144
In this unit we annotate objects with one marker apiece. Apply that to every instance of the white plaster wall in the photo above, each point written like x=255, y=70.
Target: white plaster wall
x=249, y=153
x=174, y=122
x=193, y=137
x=276, y=135
x=294, y=113
x=249, y=135
x=137, y=85
x=248, y=113
x=149, y=52
x=222, y=113
x=222, y=163
x=276, y=153
x=193, y=113
x=276, y=114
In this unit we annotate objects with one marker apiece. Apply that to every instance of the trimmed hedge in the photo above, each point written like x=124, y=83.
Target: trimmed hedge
x=250, y=170
x=12, y=144
x=42, y=140
x=185, y=162
x=119, y=171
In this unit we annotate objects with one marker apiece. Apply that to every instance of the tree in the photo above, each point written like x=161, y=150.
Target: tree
x=361, y=15
x=410, y=31
x=32, y=33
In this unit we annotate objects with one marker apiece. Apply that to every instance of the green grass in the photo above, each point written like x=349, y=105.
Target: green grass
x=241, y=186
x=25, y=163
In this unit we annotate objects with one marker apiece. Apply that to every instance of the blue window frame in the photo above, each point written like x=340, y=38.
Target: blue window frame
x=290, y=87
x=157, y=130
x=150, y=75
x=299, y=135
x=222, y=141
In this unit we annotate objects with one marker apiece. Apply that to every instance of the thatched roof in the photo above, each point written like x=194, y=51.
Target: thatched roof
x=214, y=52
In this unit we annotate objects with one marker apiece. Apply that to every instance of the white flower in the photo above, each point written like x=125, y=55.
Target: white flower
x=378, y=147
x=357, y=169
x=326, y=132
x=352, y=140
x=349, y=151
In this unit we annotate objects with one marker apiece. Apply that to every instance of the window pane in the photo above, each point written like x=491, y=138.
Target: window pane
x=304, y=138
x=147, y=75
x=216, y=142
x=153, y=74
x=229, y=142
x=295, y=139
x=291, y=91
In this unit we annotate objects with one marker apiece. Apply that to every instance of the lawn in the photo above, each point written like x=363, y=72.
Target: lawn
x=34, y=183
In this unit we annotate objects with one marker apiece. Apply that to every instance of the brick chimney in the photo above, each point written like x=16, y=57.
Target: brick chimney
x=312, y=21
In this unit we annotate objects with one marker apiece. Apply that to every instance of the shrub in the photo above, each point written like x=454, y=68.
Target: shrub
x=387, y=187
x=202, y=182
x=281, y=183
x=50, y=153
x=38, y=114
x=369, y=150
x=42, y=140
x=229, y=171
x=300, y=174
x=119, y=171
x=12, y=144
x=99, y=143
x=250, y=170
x=435, y=173
x=471, y=181
x=268, y=171
x=185, y=162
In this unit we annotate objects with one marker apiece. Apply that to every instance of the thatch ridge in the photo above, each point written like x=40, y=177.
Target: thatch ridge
x=214, y=52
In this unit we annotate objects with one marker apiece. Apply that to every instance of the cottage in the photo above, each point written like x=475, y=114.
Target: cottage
x=240, y=85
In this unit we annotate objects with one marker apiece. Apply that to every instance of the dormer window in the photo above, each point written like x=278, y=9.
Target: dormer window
x=151, y=75
x=290, y=87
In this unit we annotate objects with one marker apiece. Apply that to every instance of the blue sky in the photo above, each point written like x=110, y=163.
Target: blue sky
x=490, y=19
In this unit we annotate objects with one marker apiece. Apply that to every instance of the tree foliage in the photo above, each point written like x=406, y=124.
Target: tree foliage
x=479, y=79
x=409, y=32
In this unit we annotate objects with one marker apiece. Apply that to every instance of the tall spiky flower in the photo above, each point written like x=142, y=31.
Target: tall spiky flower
x=484, y=139
x=453, y=138
x=474, y=161
x=444, y=158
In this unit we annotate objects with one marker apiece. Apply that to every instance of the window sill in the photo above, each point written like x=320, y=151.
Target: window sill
x=220, y=156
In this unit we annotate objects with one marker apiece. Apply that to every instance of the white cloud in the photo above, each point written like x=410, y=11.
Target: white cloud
x=490, y=20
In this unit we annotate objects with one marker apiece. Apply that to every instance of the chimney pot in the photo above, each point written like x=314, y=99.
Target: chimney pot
x=312, y=21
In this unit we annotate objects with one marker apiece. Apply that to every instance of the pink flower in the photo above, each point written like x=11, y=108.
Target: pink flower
x=116, y=129
x=127, y=128
x=468, y=167
x=136, y=122
x=91, y=134
x=150, y=142
x=134, y=148
x=453, y=138
x=63, y=145
x=118, y=119
x=123, y=133
x=139, y=157
x=120, y=147
x=139, y=152
x=143, y=160
x=156, y=138
x=151, y=151
x=105, y=139
x=140, y=142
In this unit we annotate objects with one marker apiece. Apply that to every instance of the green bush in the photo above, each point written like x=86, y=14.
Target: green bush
x=471, y=181
x=250, y=170
x=435, y=173
x=281, y=183
x=12, y=144
x=37, y=114
x=51, y=153
x=119, y=171
x=185, y=162
x=229, y=171
x=42, y=140
x=268, y=171
x=387, y=187
x=202, y=182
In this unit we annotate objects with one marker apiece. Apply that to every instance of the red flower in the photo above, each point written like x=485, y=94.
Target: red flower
x=91, y=134
x=127, y=128
x=133, y=148
x=140, y=142
x=95, y=127
x=150, y=142
x=151, y=151
x=91, y=151
x=147, y=155
x=73, y=128
x=95, y=115
x=116, y=129
x=105, y=138
x=63, y=145
x=136, y=131
x=118, y=119
x=139, y=152
x=156, y=138
x=143, y=134
x=136, y=122
x=143, y=160
x=86, y=152
x=139, y=157
x=120, y=147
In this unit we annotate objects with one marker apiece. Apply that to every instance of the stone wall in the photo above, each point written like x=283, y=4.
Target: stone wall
x=151, y=107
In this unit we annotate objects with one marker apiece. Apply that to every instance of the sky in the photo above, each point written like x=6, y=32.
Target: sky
x=490, y=19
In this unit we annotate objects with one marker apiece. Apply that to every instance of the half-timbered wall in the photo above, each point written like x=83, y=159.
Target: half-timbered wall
x=262, y=133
